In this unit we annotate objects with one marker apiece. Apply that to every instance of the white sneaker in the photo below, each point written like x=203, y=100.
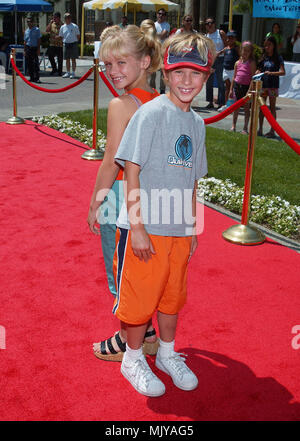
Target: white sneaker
x=175, y=366
x=139, y=374
x=221, y=109
x=66, y=75
x=72, y=76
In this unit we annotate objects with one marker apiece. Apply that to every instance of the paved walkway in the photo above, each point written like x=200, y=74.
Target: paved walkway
x=32, y=102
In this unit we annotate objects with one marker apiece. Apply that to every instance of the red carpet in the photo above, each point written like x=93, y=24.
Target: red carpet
x=236, y=327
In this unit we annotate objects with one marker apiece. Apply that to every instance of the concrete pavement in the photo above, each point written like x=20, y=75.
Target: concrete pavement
x=32, y=102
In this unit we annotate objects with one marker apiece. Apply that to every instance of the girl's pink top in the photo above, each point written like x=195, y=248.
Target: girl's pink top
x=243, y=73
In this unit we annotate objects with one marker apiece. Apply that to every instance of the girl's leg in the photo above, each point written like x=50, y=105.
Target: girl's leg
x=261, y=123
x=234, y=120
x=227, y=88
x=272, y=99
x=247, y=116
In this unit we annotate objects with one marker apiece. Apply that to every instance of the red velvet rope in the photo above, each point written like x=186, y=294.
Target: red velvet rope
x=105, y=80
x=279, y=130
x=227, y=111
x=42, y=89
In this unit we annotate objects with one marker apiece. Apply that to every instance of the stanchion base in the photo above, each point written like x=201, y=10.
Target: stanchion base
x=244, y=235
x=15, y=120
x=93, y=155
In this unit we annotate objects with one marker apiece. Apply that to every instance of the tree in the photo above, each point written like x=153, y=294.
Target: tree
x=243, y=6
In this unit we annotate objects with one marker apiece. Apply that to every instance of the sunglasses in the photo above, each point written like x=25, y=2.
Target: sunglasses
x=161, y=13
x=188, y=20
x=209, y=23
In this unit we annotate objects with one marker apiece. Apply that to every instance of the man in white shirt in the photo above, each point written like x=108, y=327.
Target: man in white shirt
x=163, y=30
x=69, y=33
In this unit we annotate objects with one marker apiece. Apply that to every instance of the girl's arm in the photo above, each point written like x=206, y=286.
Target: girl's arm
x=194, y=242
x=280, y=73
x=120, y=111
x=140, y=242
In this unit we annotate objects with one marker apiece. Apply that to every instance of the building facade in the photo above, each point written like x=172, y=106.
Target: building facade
x=247, y=27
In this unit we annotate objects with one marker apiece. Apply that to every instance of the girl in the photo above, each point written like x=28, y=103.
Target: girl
x=272, y=65
x=244, y=70
x=231, y=55
x=276, y=33
x=187, y=25
x=129, y=56
x=296, y=44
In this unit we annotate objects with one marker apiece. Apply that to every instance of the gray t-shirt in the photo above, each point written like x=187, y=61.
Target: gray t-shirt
x=168, y=145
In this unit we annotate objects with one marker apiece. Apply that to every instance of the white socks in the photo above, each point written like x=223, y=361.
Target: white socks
x=133, y=354
x=166, y=348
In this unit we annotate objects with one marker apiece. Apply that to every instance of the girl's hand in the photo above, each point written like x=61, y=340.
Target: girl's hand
x=141, y=244
x=230, y=94
x=92, y=221
x=194, y=245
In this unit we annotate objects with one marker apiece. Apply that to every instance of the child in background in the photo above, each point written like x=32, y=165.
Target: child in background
x=163, y=150
x=272, y=65
x=231, y=55
x=129, y=56
x=244, y=69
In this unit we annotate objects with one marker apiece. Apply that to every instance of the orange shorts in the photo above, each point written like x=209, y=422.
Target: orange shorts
x=144, y=287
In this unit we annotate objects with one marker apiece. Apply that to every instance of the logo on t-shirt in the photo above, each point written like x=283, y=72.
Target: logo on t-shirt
x=183, y=150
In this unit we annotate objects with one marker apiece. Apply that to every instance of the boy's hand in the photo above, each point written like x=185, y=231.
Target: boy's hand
x=92, y=221
x=194, y=245
x=141, y=244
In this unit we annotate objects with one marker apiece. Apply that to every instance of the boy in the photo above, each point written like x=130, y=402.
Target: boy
x=164, y=153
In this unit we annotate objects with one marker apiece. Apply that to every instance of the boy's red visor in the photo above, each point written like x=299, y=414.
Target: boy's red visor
x=189, y=57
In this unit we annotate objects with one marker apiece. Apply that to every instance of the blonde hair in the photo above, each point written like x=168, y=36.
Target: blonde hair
x=109, y=31
x=132, y=41
x=148, y=25
x=180, y=41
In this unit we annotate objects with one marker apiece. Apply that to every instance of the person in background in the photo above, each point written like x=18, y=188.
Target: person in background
x=220, y=41
x=163, y=31
x=276, y=33
x=55, y=46
x=244, y=69
x=124, y=22
x=296, y=44
x=272, y=65
x=3, y=53
x=69, y=33
x=32, y=42
x=231, y=55
x=187, y=25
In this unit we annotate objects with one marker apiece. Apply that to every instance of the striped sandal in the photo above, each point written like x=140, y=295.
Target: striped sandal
x=114, y=355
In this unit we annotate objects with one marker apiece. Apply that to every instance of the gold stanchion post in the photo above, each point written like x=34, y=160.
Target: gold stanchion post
x=243, y=234
x=14, y=119
x=82, y=31
x=95, y=154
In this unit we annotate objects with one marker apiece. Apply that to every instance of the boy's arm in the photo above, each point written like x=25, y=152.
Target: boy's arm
x=140, y=241
x=194, y=242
